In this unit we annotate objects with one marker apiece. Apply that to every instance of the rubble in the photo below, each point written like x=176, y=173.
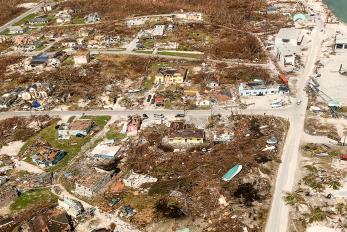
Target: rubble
x=135, y=180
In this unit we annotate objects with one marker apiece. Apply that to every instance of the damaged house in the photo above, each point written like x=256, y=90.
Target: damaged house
x=46, y=156
x=91, y=181
x=37, y=91
x=79, y=127
x=288, y=43
x=71, y=206
x=52, y=220
x=182, y=134
x=7, y=100
x=169, y=76
x=134, y=125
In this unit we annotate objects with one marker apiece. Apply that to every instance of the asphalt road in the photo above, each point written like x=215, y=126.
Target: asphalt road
x=279, y=213
x=20, y=17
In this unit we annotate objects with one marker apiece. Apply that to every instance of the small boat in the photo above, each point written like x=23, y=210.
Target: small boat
x=324, y=154
x=272, y=141
x=270, y=148
x=232, y=172
x=277, y=101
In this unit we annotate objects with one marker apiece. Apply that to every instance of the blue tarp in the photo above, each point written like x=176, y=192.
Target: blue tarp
x=36, y=104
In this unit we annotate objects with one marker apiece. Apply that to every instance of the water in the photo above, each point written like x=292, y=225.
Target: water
x=338, y=7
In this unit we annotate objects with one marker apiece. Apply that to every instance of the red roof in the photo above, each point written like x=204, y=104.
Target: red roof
x=159, y=100
x=284, y=79
x=343, y=157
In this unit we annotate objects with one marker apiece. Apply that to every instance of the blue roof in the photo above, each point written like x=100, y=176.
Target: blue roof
x=299, y=17
x=41, y=57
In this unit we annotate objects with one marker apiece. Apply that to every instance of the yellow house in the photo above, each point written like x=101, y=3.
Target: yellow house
x=169, y=76
x=186, y=137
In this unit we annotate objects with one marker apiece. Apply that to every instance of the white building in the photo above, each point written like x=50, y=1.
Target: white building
x=258, y=89
x=79, y=127
x=288, y=43
x=286, y=55
x=341, y=42
x=106, y=151
x=158, y=30
x=289, y=36
x=15, y=30
x=48, y=7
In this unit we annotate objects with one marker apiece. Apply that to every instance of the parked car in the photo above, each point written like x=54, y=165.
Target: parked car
x=179, y=115
x=145, y=116
x=159, y=116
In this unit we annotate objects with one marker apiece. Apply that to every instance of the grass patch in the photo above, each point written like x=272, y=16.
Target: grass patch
x=26, y=19
x=144, y=51
x=139, y=201
x=34, y=198
x=149, y=83
x=72, y=146
x=68, y=61
x=112, y=134
x=182, y=54
x=100, y=121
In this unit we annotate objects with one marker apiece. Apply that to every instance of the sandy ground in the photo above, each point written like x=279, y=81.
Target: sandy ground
x=321, y=228
x=24, y=166
x=331, y=82
x=264, y=102
x=12, y=148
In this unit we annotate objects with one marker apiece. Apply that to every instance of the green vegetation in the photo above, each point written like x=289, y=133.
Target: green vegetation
x=335, y=185
x=311, y=168
x=317, y=215
x=149, y=83
x=34, y=198
x=71, y=119
x=40, y=47
x=72, y=146
x=100, y=121
x=182, y=54
x=145, y=51
x=26, y=19
x=112, y=134
x=68, y=61
x=311, y=181
x=139, y=201
x=77, y=20
x=293, y=198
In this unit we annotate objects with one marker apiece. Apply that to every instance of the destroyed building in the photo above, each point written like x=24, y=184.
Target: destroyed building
x=71, y=206
x=134, y=125
x=170, y=76
x=46, y=156
x=92, y=181
x=52, y=220
x=182, y=134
